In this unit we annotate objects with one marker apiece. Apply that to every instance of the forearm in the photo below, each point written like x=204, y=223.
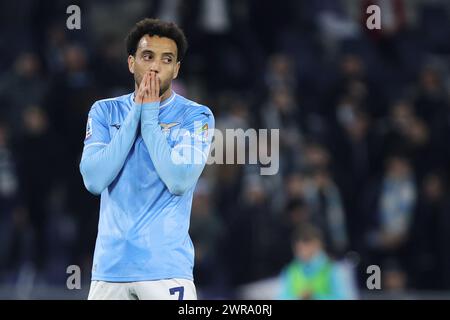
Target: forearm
x=100, y=164
x=177, y=175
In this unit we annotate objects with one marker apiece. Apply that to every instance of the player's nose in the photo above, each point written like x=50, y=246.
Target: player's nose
x=155, y=67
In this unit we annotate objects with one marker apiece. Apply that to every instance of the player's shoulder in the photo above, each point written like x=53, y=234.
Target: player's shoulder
x=108, y=103
x=194, y=108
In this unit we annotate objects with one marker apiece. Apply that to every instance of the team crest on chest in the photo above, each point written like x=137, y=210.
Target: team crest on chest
x=167, y=126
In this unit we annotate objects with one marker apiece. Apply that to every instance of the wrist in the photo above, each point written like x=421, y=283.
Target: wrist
x=150, y=105
x=150, y=113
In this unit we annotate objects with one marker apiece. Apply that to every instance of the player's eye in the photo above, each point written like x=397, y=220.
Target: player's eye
x=167, y=60
x=146, y=56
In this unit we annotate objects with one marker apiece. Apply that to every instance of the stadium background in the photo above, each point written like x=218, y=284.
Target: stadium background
x=364, y=119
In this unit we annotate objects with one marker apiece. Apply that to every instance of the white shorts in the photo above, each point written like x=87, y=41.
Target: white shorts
x=168, y=289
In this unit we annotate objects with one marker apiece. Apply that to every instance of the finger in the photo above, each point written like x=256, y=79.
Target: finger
x=143, y=81
x=141, y=90
x=147, y=80
x=149, y=77
x=148, y=84
x=156, y=87
x=152, y=84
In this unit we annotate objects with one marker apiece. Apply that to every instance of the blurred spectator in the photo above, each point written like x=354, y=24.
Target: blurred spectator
x=296, y=214
x=336, y=24
x=280, y=72
x=35, y=150
x=110, y=70
x=430, y=99
x=394, y=280
x=206, y=231
x=354, y=150
x=327, y=212
x=281, y=112
x=435, y=25
x=25, y=77
x=294, y=186
x=392, y=208
x=70, y=97
x=312, y=275
x=248, y=238
x=9, y=202
x=429, y=256
x=56, y=40
x=406, y=132
x=68, y=101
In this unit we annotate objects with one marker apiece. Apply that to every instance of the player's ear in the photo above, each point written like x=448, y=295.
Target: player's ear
x=131, y=63
x=177, y=68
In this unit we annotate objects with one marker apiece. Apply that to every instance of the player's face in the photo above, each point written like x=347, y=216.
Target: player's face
x=157, y=54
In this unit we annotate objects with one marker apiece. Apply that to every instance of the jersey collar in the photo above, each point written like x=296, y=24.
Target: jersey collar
x=168, y=101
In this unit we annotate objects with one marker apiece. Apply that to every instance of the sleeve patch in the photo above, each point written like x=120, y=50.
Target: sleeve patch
x=88, y=128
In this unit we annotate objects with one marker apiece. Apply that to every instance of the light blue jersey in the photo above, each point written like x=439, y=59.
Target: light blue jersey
x=145, y=160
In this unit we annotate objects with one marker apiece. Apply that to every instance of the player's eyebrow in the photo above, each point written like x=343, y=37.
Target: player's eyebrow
x=146, y=51
x=164, y=53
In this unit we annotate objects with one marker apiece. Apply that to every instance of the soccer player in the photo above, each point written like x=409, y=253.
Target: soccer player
x=143, y=153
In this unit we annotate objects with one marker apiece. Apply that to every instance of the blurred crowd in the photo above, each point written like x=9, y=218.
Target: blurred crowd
x=364, y=118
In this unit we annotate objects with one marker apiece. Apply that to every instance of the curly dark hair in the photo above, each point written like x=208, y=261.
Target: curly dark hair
x=156, y=27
